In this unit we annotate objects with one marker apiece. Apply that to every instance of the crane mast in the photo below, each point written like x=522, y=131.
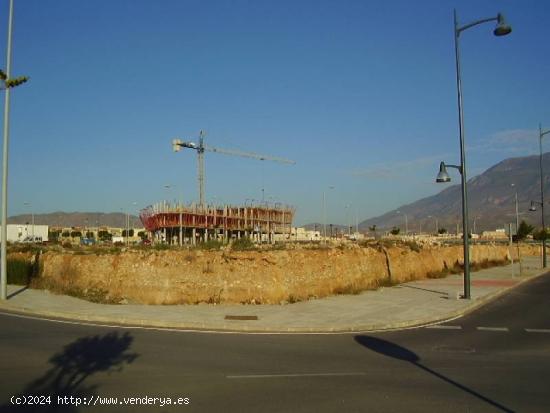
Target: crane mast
x=177, y=144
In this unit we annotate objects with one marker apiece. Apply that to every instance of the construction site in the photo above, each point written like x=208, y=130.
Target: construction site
x=190, y=224
x=178, y=224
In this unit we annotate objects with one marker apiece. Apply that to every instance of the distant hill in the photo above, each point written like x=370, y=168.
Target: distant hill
x=78, y=219
x=491, y=200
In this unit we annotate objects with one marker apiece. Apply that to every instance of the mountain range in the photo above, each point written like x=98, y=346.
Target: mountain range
x=491, y=200
x=78, y=219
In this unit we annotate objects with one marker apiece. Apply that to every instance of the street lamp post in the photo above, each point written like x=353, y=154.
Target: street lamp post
x=501, y=29
x=533, y=208
x=347, y=207
x=325, y=214
x=128, y=224
x=406, y=222
x=517, y=226
x=6, y=83
x=541, y=134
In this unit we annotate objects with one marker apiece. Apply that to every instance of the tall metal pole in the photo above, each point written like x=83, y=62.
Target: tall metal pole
x=127, y=228
x=517, y=213
x=4, y=238
x=325, y=216
x=462, y=166
x=517, y=239
x=541, y=134
x=200, y=153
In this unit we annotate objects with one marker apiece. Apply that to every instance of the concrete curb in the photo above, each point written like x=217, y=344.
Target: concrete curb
x=198, y=327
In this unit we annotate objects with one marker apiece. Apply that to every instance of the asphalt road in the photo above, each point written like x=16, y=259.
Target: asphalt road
x=496, y=359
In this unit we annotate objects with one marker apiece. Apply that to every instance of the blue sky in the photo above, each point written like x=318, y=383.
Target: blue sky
x=361, y=94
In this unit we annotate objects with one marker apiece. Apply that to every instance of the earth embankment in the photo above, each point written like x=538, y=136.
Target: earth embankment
x=253, y=277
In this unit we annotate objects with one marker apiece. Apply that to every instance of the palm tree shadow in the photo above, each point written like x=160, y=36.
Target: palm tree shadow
x=393, y=350
x=71, y=367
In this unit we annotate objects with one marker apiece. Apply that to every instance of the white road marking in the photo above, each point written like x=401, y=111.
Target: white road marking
x=270, y=376
x=538, y=330
x=493, y=329
x=444, y=327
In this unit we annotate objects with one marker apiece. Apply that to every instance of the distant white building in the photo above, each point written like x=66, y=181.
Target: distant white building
x=298, y=234
x=27, y=233
x=496, y=234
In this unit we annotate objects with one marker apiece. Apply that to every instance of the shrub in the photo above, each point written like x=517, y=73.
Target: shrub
x=212, y=244
x=413, y=245
x=19, y=271
x=242, y=244
x=279, y=245
x=395, y=231
x=348, y=289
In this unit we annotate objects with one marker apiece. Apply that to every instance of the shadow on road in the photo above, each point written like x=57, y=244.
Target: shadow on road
x=70, y=368
x=393, y=350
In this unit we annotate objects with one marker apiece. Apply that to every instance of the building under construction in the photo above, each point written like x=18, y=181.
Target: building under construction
x=189, y=224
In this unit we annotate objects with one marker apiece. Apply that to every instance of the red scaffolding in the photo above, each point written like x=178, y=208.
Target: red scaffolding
x=226, y=219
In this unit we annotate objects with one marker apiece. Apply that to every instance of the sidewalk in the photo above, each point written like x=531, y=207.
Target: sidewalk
x=406, y=305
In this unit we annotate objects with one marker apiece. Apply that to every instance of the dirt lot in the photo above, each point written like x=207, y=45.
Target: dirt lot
x=263, y=276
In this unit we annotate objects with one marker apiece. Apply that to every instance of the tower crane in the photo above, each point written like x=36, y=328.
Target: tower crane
x=201, y=147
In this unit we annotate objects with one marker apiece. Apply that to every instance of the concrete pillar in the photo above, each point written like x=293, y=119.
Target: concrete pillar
x=194, y=236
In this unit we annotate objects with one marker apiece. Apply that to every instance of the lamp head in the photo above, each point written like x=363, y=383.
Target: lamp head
x=502, y=28
x=532, y=208
x=442, y=176
x=176, y=145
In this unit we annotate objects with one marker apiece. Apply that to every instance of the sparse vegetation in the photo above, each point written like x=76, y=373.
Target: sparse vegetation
x=105, y=236
x=413, y=245
x=19, y=271
x=293, y=299
x=212, y=244
x=243, y=244
x=395, y=231
x=161, y=247
x=207, y=269
x=540, y=235
x=525, y=229
x=278, y=246
x=349, y=289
